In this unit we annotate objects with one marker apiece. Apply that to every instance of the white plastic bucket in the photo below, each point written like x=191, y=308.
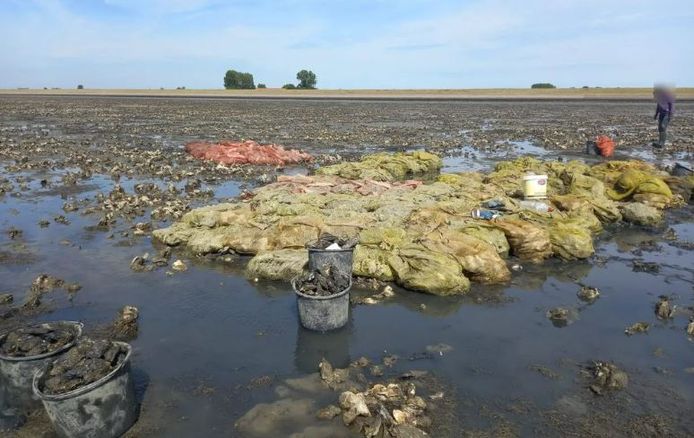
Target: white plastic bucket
x=535, y=186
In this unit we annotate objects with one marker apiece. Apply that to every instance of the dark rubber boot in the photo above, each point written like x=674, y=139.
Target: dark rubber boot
x=661, y=138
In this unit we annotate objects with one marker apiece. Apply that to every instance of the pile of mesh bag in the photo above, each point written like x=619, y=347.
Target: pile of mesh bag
x=414, y=225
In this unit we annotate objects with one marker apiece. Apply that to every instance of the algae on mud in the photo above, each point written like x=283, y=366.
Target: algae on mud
x=421, y=235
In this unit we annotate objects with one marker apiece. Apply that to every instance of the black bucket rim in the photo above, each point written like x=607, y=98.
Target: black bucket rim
x=84, y=389
x=77, y=325
x=311, y=297
x=310, y=245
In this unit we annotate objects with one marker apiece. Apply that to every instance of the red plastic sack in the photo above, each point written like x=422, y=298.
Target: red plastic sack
x=247, y=152
x=605, y=145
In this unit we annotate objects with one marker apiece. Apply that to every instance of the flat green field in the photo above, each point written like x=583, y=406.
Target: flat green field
x=488, y=93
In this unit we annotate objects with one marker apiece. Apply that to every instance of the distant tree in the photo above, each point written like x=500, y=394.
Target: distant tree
x=236, y=80
x=289, y=86
x=543, y=85
x=232, y=79
x=247, y=81
x=262, y=86
x=180, y=88
x=585, y=86
x=80, y=87
x=307, y=79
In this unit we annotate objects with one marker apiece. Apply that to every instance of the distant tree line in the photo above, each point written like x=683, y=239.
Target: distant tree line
x=235, y=80
x=543, y=85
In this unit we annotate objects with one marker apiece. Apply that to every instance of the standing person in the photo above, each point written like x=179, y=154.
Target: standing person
x=665, y=108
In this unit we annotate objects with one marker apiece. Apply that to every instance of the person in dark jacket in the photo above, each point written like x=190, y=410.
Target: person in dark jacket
x=665, y=109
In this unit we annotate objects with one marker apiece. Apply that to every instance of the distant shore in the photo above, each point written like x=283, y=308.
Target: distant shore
x=636, y=94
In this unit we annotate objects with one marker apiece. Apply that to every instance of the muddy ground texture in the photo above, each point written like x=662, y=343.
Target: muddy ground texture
x=103, y=173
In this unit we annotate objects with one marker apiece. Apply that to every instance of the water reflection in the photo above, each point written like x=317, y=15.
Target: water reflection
x=534, y=277
x=313, y=346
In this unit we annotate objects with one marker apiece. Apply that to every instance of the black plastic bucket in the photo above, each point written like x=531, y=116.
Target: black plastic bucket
x=338, y=259
x=106, y=408
x=17, y=373
x=323, y=313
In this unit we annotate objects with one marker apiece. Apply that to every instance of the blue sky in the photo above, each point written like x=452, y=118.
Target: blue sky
x=347, y=43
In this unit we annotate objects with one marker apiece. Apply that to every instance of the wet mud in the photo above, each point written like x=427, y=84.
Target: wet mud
x=83, y=182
